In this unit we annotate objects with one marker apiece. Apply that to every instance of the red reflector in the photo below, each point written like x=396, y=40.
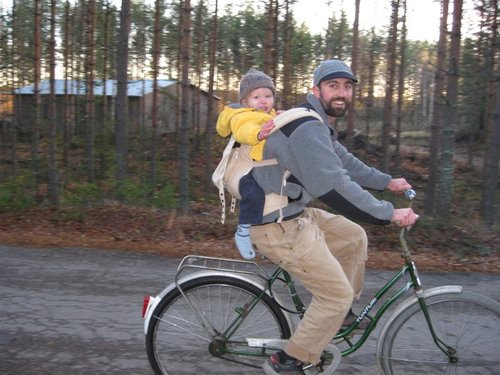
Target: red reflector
x=145, y=305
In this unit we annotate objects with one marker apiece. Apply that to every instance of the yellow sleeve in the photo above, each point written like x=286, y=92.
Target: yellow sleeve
x=245, y=131
x=223, y=126
x=246, y=126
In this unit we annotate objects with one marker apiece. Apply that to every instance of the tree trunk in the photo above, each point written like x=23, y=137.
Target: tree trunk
x=210, y=105
x=185, y=126
x=287, y=57
x=105, y=68
x=53, y=185
x=370, y=98
x=401, y=88
x=391, y=73
x=121, y=107
x=154, y=120
x=14, y=72
x=490, y=185
x=354, y=66
x=66, y=98
x=35, y=130
x=89, y=97
x=268, y=40
x=445, y=192
x=199, y=58
x=434, y=141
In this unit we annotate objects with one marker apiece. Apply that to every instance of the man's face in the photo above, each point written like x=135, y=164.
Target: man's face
x=335, y=95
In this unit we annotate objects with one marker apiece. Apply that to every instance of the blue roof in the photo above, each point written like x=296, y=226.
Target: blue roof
x=77, y=87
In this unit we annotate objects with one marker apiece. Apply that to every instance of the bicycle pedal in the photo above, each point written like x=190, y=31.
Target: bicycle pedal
x=330, y=361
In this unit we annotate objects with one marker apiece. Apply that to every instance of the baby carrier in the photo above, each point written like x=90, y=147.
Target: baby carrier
x=236, y=163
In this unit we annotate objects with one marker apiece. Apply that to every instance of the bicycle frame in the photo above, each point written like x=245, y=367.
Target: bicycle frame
x=229, y=267
x=414, y=282
x=280, y=274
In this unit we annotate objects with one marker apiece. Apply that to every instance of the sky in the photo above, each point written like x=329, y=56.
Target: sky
x=315, y=13
x=422, y=18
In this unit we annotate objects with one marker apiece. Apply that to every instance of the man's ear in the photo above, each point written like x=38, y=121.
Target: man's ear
x=316, y=91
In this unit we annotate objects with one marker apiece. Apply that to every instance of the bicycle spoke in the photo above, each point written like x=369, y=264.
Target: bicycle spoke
x=467, y=323
x=177, y=342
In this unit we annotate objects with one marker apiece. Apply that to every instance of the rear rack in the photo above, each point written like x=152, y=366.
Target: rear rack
x=193, y=263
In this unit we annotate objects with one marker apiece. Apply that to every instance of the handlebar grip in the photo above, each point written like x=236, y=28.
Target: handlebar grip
x=410, y=194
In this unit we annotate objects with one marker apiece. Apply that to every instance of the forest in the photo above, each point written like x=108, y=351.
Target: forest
x=61, y=149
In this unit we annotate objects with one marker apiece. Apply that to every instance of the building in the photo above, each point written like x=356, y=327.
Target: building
x=71, y=98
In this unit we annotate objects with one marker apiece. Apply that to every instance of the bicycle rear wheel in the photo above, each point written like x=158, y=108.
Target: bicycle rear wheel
x=177, y=343
x=467, y=322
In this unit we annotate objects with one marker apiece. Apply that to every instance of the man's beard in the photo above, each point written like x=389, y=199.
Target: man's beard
x=333, y=111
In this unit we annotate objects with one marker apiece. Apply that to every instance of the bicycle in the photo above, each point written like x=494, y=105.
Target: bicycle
x=219, y=315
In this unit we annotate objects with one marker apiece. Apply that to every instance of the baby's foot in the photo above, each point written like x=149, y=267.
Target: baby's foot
x=243, y=242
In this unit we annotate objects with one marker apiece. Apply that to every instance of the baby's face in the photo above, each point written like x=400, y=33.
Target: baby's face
x=261, y=98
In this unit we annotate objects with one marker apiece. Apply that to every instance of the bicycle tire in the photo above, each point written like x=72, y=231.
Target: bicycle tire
x=176, y=342
x=467, y=321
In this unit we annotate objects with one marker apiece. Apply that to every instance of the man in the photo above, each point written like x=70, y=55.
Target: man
x=325, y=252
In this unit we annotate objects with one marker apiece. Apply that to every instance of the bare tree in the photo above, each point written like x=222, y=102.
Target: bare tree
x=372, y=65
x=14, y=52
x=198, y=49
x=121, y=106
x=488, y=210
x=271, y=29
x=89, y=87
x=66, y=98
x=434, y=141
x=184, y=129
x=490, y=185
x=210, y=106
x=354, y=66
x=154, y=120
x=287, y=55
x=401, y=87
x=53, y=185
x=389, y=85
x=35, y=130
x=105, y=65
x=445, y=191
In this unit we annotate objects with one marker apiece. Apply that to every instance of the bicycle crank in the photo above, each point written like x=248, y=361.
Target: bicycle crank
x=330, y=359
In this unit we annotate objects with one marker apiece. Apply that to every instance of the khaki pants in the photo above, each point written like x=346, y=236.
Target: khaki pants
x=327, y=254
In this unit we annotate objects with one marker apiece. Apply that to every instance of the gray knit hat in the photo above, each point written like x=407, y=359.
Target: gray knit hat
x=330, y=69
x=255, y=79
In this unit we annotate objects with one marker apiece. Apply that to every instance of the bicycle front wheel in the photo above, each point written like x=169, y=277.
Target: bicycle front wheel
x=177, y=343
x=468, y=323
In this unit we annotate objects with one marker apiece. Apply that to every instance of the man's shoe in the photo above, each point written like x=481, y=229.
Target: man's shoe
x=277, y=364
x=350, y=319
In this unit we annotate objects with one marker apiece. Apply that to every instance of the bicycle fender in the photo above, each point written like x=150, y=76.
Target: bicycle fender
x=154, y=301
x=413, y=300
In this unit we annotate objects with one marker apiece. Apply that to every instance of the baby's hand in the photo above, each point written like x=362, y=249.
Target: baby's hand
x=266, y=129
x=279, y=112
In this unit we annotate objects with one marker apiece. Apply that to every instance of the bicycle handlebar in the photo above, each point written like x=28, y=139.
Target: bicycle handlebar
x=410, y=194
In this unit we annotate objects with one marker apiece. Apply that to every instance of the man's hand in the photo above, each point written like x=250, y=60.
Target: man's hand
x=404, y=217
x=398, y=185
x=266, y=129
